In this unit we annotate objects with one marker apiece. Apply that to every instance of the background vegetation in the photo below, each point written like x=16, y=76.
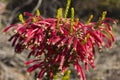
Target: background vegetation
x=83, y=8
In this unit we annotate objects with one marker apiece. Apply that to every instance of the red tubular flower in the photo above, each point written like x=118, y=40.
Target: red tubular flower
x=75, y=44
x=35, y=66
x=41, y=73
x=56, y=47
x=70, y=42
x=31, y=61
x=7, y=28
x=79, y=70
x=62, y=57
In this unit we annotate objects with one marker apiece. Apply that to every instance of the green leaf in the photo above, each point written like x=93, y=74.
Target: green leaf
x=72, y=21
x=37, y=12
x=67, y=8
x=66, y=75
x=21, y=18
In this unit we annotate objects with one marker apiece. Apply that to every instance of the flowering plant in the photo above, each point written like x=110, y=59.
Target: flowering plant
x=55, y=43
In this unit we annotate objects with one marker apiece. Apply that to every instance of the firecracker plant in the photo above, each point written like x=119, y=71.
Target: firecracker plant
x=57, y=43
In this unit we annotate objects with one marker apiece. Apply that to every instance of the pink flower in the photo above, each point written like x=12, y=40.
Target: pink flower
x=55, y=48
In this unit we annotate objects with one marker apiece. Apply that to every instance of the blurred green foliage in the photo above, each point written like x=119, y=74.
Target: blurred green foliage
x=114, y=3
x=3, y=0
x=66, y=75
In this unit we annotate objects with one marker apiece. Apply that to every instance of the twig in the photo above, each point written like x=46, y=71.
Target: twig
x=37, y=6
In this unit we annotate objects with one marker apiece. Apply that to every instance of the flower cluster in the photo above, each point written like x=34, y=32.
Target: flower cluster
x=55, y=43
